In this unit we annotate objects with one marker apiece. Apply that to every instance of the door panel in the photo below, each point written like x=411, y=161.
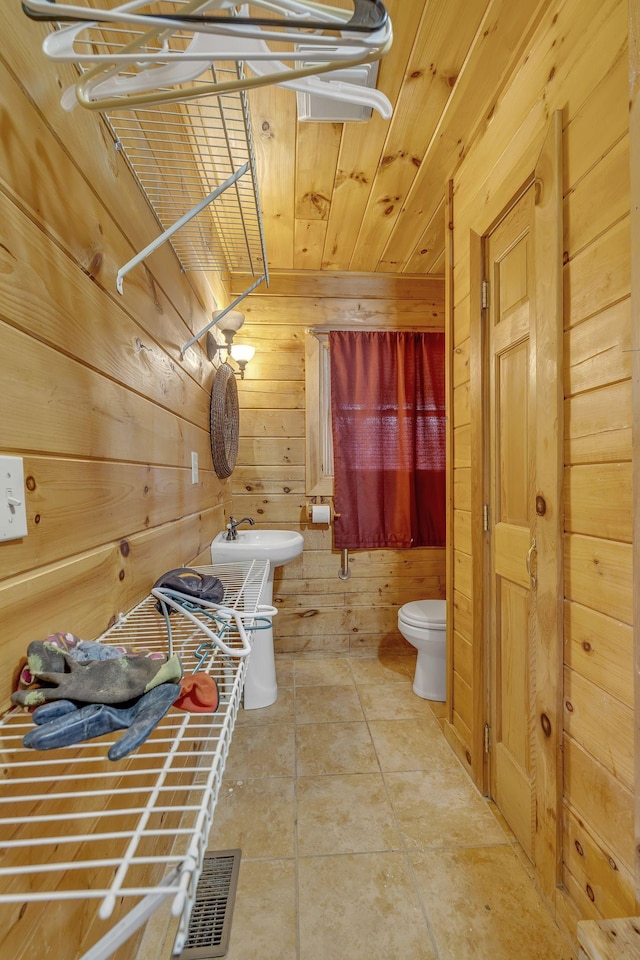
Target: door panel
x=511, y=545
x=512, y=432
x=512, y=469
x=513, y=287
x=514, y=673
x=515, y=795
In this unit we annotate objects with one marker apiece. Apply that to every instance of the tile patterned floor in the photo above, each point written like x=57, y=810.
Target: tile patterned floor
x=362, y=838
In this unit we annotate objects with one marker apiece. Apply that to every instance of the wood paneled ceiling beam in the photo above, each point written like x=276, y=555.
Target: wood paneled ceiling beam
x=325, y=283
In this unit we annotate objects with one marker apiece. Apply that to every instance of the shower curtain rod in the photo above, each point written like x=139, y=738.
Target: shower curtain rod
x=364, y=328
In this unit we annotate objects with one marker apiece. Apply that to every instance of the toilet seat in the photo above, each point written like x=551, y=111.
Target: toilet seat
x=424, y=613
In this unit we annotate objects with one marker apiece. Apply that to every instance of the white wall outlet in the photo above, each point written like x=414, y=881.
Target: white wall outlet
x=194, y=466
x=13, y=510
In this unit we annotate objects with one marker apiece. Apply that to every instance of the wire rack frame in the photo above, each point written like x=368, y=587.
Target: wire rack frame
x=181, y=152
x=75, y=826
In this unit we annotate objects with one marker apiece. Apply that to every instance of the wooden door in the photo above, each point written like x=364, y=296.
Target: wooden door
x=510, y=270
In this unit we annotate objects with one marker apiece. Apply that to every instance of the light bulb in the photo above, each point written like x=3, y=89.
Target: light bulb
x=242, y=352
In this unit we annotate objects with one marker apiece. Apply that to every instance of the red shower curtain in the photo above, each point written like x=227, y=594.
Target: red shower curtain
x=388, y=424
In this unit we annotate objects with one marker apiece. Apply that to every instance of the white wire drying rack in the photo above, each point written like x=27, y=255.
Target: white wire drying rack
x=194, y=161
x=75, y=826
x=195, y=164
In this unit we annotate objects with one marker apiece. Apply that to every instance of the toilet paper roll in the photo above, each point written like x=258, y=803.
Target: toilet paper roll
x=321, y=513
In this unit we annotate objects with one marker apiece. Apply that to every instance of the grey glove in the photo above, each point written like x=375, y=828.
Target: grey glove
x=98, y=681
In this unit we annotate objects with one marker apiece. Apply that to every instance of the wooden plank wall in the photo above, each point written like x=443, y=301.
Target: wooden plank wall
x=95, y=396
x=576, y=62
x=319, y=614
x=634, y=153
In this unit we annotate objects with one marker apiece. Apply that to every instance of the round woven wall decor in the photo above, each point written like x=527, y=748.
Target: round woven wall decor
x=225, y=421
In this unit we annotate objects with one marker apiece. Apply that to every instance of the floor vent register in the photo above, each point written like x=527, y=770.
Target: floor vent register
x=210, y=923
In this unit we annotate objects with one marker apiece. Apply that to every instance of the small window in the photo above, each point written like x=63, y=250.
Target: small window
x=319, y=441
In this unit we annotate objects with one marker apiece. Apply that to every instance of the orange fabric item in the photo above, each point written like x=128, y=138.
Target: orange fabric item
x=198, y=694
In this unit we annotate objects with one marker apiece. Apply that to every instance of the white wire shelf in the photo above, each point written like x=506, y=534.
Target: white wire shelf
x=181, y=152
x=75, y=826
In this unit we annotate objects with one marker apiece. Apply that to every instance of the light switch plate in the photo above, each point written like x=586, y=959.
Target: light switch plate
x=194, y=466
x=13, y=509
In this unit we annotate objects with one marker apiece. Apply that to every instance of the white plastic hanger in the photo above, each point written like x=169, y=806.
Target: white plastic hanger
x=203, y=48
x=69, y=44
x=368, y=15
x=60, y=46
x=105, y=87
x=180, y=72
x=86, y=87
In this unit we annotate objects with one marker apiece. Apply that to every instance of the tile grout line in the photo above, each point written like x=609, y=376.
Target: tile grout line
x=423, y=906
x=403, y=848
x=295, y=815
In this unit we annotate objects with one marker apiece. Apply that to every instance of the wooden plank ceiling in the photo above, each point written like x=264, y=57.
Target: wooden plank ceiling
x=370, y=196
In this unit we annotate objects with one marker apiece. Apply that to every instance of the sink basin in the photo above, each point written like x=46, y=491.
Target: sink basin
x=277, y=546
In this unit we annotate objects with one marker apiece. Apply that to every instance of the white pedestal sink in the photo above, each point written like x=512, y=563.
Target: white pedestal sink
x=278, y=547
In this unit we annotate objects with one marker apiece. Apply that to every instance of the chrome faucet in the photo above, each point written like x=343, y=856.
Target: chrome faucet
x=231, y=526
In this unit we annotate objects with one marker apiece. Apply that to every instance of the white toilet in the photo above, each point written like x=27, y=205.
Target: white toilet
x=424, y=624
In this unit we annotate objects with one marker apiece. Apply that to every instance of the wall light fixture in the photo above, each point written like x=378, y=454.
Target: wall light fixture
x=230, y=323
x=242, y=353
